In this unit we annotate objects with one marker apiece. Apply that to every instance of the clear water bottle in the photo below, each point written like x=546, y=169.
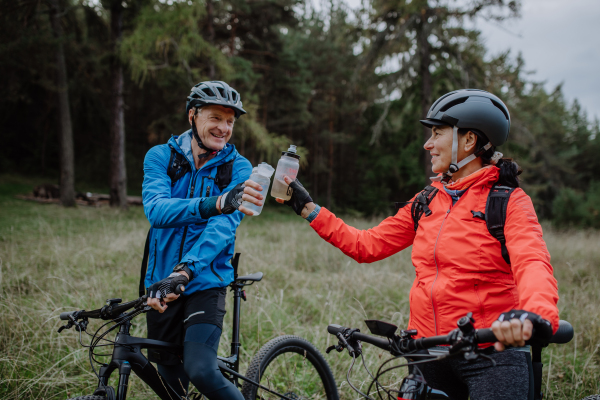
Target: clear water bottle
x=288, y=164
x=261, y=175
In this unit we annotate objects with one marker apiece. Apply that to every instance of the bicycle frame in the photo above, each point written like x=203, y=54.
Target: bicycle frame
x=127, y=356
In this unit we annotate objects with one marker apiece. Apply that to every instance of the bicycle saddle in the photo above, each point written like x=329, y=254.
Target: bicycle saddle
x=255, y=277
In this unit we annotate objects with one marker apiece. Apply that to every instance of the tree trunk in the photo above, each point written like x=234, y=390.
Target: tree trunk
x=118, y=173
x=424, y=49
x=67, y=165
x=330, y=159
x=211, y=36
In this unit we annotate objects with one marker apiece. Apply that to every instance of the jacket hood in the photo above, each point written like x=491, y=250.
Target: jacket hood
x=183, y=145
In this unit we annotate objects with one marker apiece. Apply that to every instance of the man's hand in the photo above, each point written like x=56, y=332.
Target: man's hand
x=248, y=191
x=515, y=327
x=301, y=202
x=162, y=292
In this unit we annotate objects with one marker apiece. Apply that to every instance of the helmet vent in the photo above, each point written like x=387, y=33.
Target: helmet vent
x=501, y=108
x=452, y=103
x=222, y=92
x=209, y=92
x=234, y=96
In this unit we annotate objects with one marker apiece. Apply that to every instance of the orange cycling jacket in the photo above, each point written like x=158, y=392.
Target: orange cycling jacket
x=458, y=263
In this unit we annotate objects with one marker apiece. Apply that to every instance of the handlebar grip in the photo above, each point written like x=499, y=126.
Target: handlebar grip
x=179, y=289
x=486, y=336
x=65, y=315
x=564, y=334
x=334, y=329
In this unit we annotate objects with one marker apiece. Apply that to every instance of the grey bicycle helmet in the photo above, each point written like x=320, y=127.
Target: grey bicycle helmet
x=216, y=93
x=212, y=93
x=470, y=109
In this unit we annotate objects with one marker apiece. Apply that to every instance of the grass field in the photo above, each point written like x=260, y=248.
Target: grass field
x=54, y=259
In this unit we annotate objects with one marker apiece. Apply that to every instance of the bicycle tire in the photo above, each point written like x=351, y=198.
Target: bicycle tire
x=284, y=355
x=592, y=397
x=89, y=397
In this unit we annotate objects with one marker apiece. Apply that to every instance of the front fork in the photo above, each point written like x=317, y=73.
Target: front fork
x=124, y=371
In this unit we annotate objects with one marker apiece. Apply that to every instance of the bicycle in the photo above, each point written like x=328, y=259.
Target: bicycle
x=287, y=367
x=462, y=341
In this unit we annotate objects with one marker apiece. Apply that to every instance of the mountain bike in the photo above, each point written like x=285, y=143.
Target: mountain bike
x=461, y=342
x=287, y=367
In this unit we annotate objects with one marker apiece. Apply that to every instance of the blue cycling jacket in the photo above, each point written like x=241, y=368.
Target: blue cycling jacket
x=178, y=233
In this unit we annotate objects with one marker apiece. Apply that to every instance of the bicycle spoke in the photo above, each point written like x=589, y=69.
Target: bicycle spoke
x=292, y=375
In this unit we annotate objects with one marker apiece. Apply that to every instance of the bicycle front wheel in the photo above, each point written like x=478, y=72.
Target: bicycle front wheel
x=292, y=366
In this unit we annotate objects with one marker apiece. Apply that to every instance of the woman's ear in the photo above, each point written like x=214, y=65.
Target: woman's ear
x=470, y=142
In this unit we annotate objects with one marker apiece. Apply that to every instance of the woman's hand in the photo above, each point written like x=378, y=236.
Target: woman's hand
x=248, y=191
x=515, y=327
x=511, y=333
x=301, y=202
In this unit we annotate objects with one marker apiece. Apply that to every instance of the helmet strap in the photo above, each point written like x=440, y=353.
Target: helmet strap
x=209, y=151
x=455, y=165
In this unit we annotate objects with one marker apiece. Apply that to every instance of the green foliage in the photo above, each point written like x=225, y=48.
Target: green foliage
x=345, y=85
x=572, y=208
x=168, y=39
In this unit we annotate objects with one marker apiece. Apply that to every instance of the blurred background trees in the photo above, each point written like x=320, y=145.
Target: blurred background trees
x=349, y=86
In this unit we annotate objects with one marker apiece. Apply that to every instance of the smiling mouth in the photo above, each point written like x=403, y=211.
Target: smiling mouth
x=217, y=136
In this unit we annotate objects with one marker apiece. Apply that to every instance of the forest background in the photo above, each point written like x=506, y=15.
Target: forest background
x=89, y=86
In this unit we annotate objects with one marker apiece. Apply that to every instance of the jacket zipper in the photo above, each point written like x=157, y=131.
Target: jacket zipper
x=154, y=266
x=437, y=269
x=481, y=309
x=215, y=272
x=186, y=228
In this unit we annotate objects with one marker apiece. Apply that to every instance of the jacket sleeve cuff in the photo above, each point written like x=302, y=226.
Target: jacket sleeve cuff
x=314, y=213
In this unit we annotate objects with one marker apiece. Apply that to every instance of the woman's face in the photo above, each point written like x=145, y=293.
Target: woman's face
x=439, y=146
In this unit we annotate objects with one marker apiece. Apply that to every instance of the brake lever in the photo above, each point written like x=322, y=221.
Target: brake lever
x=81, y=327
x=336, y=347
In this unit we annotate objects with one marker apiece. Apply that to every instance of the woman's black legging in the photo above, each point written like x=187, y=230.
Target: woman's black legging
x=200, y=365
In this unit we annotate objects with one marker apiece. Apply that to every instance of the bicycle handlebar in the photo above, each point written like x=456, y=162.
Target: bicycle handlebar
x=107, y=312
x=564, y=334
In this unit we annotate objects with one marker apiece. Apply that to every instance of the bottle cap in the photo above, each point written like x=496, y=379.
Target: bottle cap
x=265, y=170
x=291, y=152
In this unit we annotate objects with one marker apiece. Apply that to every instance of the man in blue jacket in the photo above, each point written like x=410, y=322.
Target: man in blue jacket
x=193, y=188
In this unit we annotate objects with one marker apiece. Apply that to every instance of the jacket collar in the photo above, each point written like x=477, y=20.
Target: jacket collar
x=183, y=145
x=487, y=175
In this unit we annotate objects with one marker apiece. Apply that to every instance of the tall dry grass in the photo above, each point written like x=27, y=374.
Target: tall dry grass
x=54, y=259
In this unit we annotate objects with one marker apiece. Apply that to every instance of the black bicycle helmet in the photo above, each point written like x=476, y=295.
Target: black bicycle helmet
x=217, y=93
x=472, y=109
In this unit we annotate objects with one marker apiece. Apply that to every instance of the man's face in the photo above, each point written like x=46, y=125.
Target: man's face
x=214, y=124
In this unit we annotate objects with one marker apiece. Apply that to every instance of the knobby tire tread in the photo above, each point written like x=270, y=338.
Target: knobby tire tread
x=89, y=397
x=286, y=341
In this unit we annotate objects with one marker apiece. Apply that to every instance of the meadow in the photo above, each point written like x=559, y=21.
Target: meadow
x=54, y=259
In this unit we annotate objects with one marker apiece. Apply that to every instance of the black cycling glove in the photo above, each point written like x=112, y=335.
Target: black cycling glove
x=168, y=285
x=542, y=329
x=300, y=197
x=232, y=200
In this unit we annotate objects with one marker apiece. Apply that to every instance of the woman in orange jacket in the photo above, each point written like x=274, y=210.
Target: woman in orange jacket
x=459, y=265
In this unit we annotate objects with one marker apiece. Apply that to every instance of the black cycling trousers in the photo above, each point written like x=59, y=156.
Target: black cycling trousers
x=510, y=379
x=200, y=365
